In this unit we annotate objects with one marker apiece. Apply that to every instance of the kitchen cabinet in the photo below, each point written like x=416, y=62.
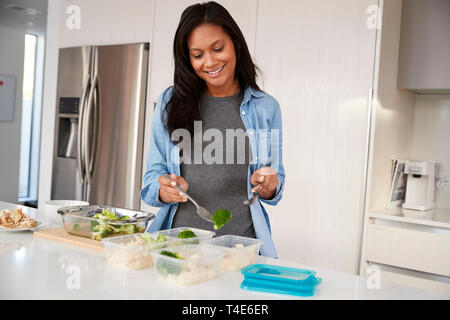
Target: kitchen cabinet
x=105, y=22
x=424, y=64
x=410, y=248
x=412, y=278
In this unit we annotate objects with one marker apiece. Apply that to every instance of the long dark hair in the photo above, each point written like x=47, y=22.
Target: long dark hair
x=183, y=107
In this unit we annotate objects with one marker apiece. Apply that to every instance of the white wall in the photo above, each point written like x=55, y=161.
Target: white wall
x=12, y=45
x=107, y=22
x=431, y=137
x=317, y=59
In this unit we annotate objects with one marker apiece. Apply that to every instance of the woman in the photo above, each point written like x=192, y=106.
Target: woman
x=214, y=98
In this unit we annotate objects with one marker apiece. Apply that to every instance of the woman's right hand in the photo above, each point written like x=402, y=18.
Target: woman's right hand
x=167, y=191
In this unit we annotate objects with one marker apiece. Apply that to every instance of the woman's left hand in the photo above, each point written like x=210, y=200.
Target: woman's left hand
x=266, y=181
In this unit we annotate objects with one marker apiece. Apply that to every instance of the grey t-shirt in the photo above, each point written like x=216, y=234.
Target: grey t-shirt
x=223, y=183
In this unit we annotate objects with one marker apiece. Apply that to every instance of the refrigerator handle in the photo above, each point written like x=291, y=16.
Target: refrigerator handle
x=80, y=155
x=88, y=139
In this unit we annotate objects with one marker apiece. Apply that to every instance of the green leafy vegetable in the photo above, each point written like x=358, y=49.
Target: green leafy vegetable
x=172, y=254
x=101, y=228
x=106, y=215
x=186, y=234
x=220, y=218
x=150, y=240
x=76, y=227
x=128, y=228
x=165, y=267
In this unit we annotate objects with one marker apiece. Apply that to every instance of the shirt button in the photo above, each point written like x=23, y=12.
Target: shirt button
x=243, y=112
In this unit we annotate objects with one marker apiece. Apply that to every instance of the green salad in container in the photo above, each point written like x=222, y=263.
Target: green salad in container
x=104, y=225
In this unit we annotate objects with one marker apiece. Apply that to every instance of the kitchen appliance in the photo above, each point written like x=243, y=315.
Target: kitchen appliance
x=99, y=130
x=72, y=143
x=420, y=185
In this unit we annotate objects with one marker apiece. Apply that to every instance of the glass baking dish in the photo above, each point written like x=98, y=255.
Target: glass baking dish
x=81, y=221
x=239, y=251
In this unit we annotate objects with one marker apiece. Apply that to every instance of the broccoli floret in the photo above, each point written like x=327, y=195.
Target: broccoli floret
x=108, y=215
x=100, y=227
x=186, y=234
x=129, y=228
x=156, y=244
x=220, y=218
x=147, y=237
x=99, y=235
x=94, y=223
x=172, y=254
x=165, y=268
x=161, y=238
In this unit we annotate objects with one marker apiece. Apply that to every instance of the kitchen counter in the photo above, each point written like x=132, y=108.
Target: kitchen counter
x=437, y=217
x=36, y=268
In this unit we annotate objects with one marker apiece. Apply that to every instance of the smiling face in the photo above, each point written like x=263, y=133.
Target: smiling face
x=213, y=59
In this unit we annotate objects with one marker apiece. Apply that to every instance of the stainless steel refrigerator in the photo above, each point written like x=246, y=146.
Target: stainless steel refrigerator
x=99, y=132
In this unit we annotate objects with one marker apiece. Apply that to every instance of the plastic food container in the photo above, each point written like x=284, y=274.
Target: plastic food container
x=80, y=221
x=201, y=235
x=132, y=251
x=239, y=251
x=200, y=264
x=279, y=279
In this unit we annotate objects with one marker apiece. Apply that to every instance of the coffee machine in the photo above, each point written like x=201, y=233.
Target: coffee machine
x=420, y=186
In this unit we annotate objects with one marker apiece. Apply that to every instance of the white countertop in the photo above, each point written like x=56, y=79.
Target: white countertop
x=437, y=217
x=36, y=268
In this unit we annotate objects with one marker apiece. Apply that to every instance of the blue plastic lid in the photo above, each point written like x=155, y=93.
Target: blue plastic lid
x=279, y=279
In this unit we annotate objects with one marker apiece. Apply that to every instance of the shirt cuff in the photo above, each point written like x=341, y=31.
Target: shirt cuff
x=276, y=196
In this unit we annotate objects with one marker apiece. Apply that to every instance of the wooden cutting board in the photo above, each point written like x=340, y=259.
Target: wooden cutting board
x=61, y=235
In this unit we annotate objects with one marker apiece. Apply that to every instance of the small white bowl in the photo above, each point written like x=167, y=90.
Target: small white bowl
x=51, y=208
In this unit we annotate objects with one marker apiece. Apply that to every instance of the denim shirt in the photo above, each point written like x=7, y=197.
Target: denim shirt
x=261, y=116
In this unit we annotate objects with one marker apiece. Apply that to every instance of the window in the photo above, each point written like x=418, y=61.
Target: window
x=30, y=128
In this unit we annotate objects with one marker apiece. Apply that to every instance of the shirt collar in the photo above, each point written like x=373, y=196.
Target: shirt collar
x=249, y=92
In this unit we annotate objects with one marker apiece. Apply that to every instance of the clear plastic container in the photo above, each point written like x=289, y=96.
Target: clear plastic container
x=239, y=251
x=200, y=263
x=132, y=251
x=201, y=235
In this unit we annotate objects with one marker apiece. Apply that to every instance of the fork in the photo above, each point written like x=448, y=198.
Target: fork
x=201, y=211
x=255, y=197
